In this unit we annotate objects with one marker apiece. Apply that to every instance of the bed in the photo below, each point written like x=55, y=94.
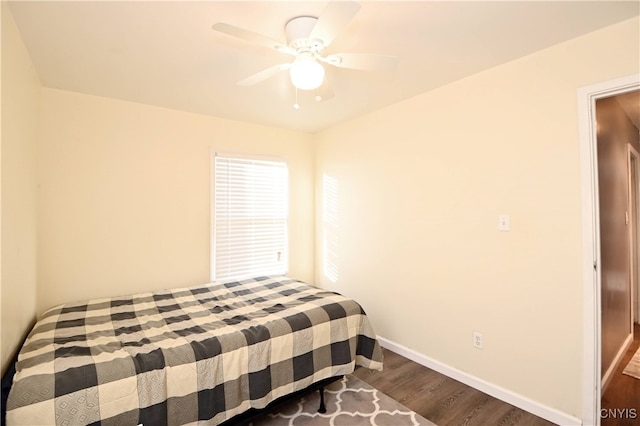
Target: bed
x=199, y=355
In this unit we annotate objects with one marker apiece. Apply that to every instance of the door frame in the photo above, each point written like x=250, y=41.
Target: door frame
x=633, y=167
x=592, y=286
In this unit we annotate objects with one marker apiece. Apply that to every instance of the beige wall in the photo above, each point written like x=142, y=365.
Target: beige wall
x=431, y=175
x=615, y=132
x=20, y=103
x=124, y=195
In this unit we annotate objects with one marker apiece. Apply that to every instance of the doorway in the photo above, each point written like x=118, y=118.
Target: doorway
x=592, y=278
x=616, y=139
x=634, y=232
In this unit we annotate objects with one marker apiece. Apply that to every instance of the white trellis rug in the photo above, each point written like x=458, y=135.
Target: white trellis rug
x=633, y=367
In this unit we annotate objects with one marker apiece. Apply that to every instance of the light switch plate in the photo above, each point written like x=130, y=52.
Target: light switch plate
x=503, y=222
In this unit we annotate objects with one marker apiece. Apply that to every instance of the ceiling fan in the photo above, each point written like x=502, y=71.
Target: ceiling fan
x=307, y=37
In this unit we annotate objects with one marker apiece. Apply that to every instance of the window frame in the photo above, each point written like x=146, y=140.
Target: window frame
x=213, y=218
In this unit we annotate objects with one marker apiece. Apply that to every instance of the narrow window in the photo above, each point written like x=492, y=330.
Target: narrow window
x=250, y=217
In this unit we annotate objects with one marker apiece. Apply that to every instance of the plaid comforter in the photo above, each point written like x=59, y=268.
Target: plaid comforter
x=186, y=356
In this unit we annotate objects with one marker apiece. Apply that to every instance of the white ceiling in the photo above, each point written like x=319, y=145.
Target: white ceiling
x=166, y=54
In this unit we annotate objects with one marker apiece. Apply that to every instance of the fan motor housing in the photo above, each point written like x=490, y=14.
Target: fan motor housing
x=298, y=31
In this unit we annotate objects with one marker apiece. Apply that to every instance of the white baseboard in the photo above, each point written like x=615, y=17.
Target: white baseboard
x=616, y=361
x=533, y=407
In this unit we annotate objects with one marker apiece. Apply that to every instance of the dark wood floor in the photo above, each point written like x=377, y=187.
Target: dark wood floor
x=441, y=399
x=621, y=399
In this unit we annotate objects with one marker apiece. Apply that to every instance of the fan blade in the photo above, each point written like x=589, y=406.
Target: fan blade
x=264, y=74
x=252, y=37
x=333, y=19
x=362, y=61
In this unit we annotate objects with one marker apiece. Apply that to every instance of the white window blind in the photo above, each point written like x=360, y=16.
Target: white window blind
x=250, y=217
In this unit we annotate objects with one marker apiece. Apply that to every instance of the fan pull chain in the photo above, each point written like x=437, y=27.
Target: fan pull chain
x=296, y=105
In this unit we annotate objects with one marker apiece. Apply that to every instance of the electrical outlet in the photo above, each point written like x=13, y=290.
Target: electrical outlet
x=477, y=340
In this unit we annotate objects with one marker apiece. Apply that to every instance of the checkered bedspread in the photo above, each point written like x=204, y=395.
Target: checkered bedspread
x=186, y=356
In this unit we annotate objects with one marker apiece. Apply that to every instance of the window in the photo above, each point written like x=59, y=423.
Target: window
x=250, y=217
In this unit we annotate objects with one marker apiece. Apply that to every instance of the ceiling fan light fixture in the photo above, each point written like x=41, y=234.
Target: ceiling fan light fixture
x=306, y=73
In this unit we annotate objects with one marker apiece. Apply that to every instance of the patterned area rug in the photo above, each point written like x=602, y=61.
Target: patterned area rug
x=633, y=367
x=349, y=402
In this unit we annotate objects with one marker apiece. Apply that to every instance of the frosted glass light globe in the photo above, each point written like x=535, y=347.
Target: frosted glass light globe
x=306, y=73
